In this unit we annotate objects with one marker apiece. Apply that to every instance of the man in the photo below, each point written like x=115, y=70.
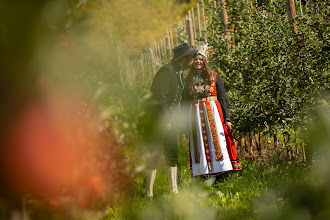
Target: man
x=166, y=89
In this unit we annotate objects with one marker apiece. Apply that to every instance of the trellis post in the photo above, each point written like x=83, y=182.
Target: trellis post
x=224, y=17
x=176, y=37
x=292, y=14
x=152, y=61
x=204, y=22
x=159, y=54
x=167, y=47
x=199, y=21
x=171, y=37
x=193, y=20
x=190, y=32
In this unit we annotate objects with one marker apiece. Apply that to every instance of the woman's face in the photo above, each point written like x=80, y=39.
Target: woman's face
x=198, y=62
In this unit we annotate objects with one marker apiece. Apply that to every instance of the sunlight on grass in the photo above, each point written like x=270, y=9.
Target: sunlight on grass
x=68, y=85
x=282, y=190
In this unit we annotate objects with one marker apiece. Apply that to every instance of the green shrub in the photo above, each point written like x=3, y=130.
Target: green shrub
x=266, y=87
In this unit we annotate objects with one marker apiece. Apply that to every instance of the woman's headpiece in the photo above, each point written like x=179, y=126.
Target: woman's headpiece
x=204, y=49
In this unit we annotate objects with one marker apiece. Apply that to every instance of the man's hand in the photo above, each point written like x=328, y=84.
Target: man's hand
x=228, y=125
x=168, y=127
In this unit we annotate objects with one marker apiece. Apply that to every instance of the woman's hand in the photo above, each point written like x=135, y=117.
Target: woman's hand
x=228, y=125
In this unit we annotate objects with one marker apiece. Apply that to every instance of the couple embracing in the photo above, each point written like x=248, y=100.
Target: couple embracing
x=212, y=148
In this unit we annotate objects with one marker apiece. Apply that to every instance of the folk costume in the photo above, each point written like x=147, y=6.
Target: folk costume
x=212, y=148
x=166, y=89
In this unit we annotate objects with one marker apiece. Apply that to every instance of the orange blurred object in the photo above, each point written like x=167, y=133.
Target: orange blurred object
x=54, y=148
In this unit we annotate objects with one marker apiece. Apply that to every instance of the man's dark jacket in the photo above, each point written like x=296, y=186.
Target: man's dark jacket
x=166, y=89
x=166, y=92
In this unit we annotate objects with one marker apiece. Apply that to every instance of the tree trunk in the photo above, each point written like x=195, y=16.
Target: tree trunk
x=251, y=143
x=257, y=141
x=245, y=144
x=241, y=142
x=275, y=142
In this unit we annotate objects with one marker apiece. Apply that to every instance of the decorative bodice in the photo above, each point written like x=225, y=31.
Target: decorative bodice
x=202, y=88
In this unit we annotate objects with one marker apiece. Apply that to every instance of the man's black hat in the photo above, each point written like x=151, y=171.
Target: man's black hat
x=182, y=51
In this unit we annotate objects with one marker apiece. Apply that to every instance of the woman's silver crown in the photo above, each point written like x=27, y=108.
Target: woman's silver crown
x=203, y=49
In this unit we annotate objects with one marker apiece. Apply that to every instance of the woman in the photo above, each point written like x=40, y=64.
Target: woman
x=212, y=147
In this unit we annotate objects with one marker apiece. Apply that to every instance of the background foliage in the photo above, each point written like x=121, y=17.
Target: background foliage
x=56, y=47
x=266, y=87
x=135, y=24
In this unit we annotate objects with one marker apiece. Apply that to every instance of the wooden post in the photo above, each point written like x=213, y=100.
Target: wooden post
x=171, y=37
x=164, y=45
x=176, y=37
x=292, y=14
x=193, y=20
x=162, y=48
x=159, y=54
x=300, y=6
x=184, y=24
x=154, y=51
x=204, y=22
x=154, y=48
x=190, y=32
x=152, y=61
x=199, y=21
x=224, y=17
x=167, y=46
x=167, y=37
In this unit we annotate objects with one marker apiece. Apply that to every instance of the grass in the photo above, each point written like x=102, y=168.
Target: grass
x=259, y=192
x=276, y=189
